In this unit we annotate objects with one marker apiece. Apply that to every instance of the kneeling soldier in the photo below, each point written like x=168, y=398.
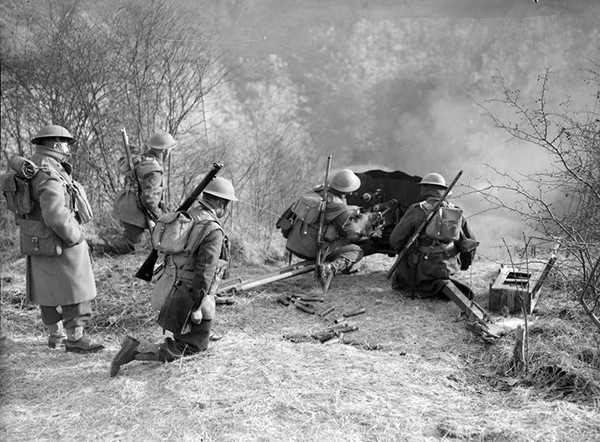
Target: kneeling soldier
x=185, y=290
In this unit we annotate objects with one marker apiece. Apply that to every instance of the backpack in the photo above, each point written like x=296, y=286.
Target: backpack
x=300, y=225
x=172, y=232
x=16, y=187
x=445, y=225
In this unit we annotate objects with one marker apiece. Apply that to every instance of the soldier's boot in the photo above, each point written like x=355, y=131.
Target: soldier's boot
x=125, y=355
x=328, y=270
x=326, y=274
x=56, y=335
x=76, y=343
x=148, y=352
x=134, y=350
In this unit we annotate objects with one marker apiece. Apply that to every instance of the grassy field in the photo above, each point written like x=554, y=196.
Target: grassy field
x=413, y=372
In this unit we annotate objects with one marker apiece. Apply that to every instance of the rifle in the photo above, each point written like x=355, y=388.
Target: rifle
x=136, y=183
x=146, y=271
x=422, y=227
x=322, y=210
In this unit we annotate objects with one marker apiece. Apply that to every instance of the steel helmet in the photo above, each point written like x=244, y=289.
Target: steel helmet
x=52, y=131
x=434, y=179
x=221, y=188
x=345, y=181
x=162, y=141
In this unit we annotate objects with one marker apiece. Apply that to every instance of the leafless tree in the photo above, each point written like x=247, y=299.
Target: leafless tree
x=562, y=203
x=144, y=67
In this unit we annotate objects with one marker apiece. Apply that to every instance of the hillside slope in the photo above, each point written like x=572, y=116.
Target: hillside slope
x=416, y=373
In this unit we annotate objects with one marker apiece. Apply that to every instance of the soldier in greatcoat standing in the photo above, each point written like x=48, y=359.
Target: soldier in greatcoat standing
x=60, y=278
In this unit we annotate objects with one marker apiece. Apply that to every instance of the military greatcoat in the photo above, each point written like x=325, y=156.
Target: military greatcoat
x=68, y=278
x=425, y=269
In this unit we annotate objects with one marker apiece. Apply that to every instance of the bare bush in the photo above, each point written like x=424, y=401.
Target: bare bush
x=144, y=67
x=561, y=203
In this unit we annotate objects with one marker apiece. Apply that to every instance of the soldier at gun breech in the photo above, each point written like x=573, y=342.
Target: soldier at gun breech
x=195, y=252
x=338, y=252
x=445, y=245
x=140, y=203
x=50, y=208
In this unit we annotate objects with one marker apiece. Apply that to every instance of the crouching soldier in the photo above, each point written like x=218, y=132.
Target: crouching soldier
x=140, y=202
x=195, y=252
x=446, y=246
x=338, y=249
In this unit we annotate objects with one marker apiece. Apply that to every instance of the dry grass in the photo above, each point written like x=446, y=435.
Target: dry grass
x=430, y=379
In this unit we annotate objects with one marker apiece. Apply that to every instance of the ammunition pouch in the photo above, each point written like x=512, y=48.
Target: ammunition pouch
x=37, y=239
x=436, y=262
x=285, y=222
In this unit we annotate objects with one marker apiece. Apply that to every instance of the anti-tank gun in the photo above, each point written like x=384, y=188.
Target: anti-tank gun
x=385, y=196
x=381, y=200
x=374, y=222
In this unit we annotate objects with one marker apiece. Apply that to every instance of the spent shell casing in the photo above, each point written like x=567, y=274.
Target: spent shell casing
x=327, y=311
x=283, y=300
x=354, y=313
x=306, y=308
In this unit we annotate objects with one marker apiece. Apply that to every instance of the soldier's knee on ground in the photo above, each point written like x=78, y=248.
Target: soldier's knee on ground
x=204, y=332
x=111, y=246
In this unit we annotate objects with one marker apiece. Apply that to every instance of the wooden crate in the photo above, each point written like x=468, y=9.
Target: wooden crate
x=514, y=283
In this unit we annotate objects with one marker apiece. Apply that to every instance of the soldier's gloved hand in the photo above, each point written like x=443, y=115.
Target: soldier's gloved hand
x=196, y=316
